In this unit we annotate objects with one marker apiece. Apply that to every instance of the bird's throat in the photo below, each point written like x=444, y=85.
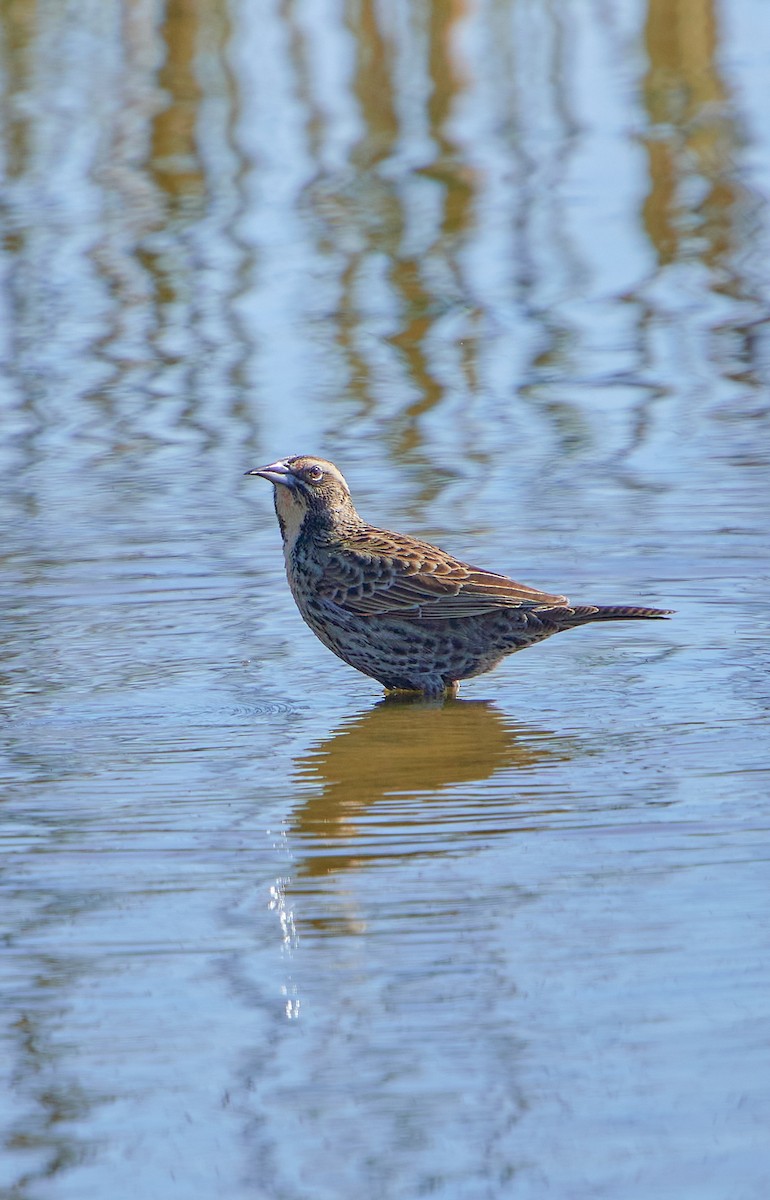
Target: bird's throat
x=291, y=512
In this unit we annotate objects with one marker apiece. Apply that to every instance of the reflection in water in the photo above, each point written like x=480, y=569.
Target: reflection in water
x=692, y=135
x=175, y=158
x=698, y=212
x=399, y=229
x=699, y=208
x=58, y=1101
x=388, y=781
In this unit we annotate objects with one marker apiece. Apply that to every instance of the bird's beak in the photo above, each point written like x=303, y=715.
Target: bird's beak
x=276, y=472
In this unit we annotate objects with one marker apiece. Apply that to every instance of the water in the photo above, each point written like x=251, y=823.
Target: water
x=266, y=934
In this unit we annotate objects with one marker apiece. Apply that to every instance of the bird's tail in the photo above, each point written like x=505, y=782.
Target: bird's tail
x=584, y=613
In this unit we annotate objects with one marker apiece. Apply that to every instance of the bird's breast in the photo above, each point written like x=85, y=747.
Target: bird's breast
x=304, y=569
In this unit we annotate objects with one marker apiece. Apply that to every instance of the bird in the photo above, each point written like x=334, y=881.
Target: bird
x=398, y=609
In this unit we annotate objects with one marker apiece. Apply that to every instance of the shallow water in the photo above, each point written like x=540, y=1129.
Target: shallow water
x=267, y=934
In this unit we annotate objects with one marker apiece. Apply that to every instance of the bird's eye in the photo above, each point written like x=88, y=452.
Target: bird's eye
x=314, y=474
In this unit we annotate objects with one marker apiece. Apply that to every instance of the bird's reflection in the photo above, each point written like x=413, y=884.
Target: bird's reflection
x=387, y=782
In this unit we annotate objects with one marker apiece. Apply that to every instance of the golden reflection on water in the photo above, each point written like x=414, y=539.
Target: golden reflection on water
x=175, y=159
x=382, y=217
x=691, y=133
x=386, y=777
x=453, y=224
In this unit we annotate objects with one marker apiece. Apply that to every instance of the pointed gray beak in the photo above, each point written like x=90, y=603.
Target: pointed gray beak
x=276, y=472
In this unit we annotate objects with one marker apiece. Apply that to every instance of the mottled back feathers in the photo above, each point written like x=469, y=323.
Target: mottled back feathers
x=373, y=572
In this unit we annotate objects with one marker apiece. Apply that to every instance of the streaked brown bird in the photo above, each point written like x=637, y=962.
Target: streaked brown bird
x=398, y=609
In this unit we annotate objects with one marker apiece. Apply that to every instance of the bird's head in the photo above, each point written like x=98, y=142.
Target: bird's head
x=307, y=487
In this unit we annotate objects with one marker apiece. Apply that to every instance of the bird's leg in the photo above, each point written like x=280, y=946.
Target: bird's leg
x=452, y=689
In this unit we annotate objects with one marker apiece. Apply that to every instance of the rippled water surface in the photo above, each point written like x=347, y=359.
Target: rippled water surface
x=266, y=933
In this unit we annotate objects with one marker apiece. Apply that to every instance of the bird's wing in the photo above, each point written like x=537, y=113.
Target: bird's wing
x=375, y=573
